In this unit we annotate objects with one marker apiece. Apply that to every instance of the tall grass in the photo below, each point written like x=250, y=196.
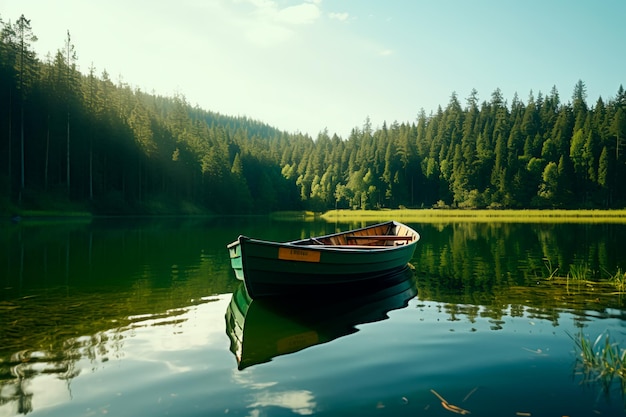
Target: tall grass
x=454, y=215
x=619, y=280
x=601, y=361
x=579, y=272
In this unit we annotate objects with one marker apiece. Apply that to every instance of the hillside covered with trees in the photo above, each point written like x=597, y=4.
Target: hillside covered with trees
x=80, y=139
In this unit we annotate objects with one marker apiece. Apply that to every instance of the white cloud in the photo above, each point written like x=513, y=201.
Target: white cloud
x=339, y=16
x=305, y=13
x=271, y=25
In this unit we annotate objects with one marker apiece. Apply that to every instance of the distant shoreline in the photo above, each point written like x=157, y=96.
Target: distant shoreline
x=405, y=215
x=485, y=216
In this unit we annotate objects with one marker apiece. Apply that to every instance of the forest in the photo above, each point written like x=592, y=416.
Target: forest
x=82, y=141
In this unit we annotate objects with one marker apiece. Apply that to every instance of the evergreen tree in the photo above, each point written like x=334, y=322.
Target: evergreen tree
x=70, y=63
x=131, y=151
x=25, y=68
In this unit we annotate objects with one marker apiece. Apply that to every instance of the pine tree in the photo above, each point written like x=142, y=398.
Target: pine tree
x=24, y=65
x=70, y=66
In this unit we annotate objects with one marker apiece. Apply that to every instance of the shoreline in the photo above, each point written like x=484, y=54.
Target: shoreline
x=485, y=216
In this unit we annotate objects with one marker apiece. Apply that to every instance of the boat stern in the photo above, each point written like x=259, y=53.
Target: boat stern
x=234, y=251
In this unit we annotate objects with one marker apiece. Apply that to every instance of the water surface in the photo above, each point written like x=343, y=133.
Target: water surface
x=134, y=317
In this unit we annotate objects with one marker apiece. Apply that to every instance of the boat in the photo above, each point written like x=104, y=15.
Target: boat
x=262, y=329
x=323, y=263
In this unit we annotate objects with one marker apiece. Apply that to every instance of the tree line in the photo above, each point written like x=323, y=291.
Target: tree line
x=85, y=140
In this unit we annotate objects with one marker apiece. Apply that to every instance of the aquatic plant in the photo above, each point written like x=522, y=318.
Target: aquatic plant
x=619, y=280
x=601, y=361
x=579, y=272
x=552, y=270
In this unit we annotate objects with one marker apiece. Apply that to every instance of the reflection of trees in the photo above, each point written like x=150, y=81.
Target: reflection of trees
x=546, y=300
x=93, y=333
x=23, y=367
x=106, y=252
x=485, y=255
x=501, y=267
x=17, y=392
x=65, y=301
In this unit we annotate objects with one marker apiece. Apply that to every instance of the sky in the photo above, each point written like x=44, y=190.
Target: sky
x=310, y=65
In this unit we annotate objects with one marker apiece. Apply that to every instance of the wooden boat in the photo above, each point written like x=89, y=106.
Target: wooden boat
x=262, y=329
x=323, y=263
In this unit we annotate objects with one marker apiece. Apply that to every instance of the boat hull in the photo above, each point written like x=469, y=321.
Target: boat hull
x=271, y=268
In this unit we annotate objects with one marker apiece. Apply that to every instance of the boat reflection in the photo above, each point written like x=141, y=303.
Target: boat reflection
x=261, y=329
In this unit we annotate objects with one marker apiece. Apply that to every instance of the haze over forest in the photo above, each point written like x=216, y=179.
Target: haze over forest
x=81, y=140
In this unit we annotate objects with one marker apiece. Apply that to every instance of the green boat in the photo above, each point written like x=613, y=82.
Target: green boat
x=260, y=330
x=322, y=264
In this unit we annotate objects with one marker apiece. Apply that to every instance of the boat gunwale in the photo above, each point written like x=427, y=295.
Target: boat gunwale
x=356, y=231
x=326, y=247
x=329, y=248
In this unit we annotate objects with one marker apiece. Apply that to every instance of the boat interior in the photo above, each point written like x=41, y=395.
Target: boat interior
x=386, y=234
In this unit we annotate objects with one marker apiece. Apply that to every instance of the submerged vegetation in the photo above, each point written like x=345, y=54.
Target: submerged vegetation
x=581, y=273
x=72, y=140
x=601, y=361
x=619, y=280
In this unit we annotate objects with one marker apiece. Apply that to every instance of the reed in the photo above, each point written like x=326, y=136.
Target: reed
x=552, y=270
x=603, y=360
x=619, y=280
x=579, y=272
x=582, y=275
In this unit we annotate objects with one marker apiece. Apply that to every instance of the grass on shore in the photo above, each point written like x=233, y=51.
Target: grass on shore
x=485, y=216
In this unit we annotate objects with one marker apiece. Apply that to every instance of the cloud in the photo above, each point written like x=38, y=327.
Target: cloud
x=339, y=16
x=305, y=13
x=269, y=11
x=271, y=25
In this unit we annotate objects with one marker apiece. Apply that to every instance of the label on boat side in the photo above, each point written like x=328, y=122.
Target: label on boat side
x=294, y=254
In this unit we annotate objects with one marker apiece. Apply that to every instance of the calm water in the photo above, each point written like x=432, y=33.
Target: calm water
x=143, y=318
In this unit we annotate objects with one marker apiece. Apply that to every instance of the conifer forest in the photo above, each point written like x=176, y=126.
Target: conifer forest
x=85, y=140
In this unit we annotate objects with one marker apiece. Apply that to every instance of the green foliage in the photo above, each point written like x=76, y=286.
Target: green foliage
x=131, y=151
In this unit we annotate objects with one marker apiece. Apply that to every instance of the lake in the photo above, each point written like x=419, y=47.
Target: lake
x=144, y=317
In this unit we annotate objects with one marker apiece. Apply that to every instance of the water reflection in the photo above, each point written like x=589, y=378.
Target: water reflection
x=544, y=299
x=49, y=373
x=484, y=256
x=300, y=402
x=77, y=298
x=262, y=329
